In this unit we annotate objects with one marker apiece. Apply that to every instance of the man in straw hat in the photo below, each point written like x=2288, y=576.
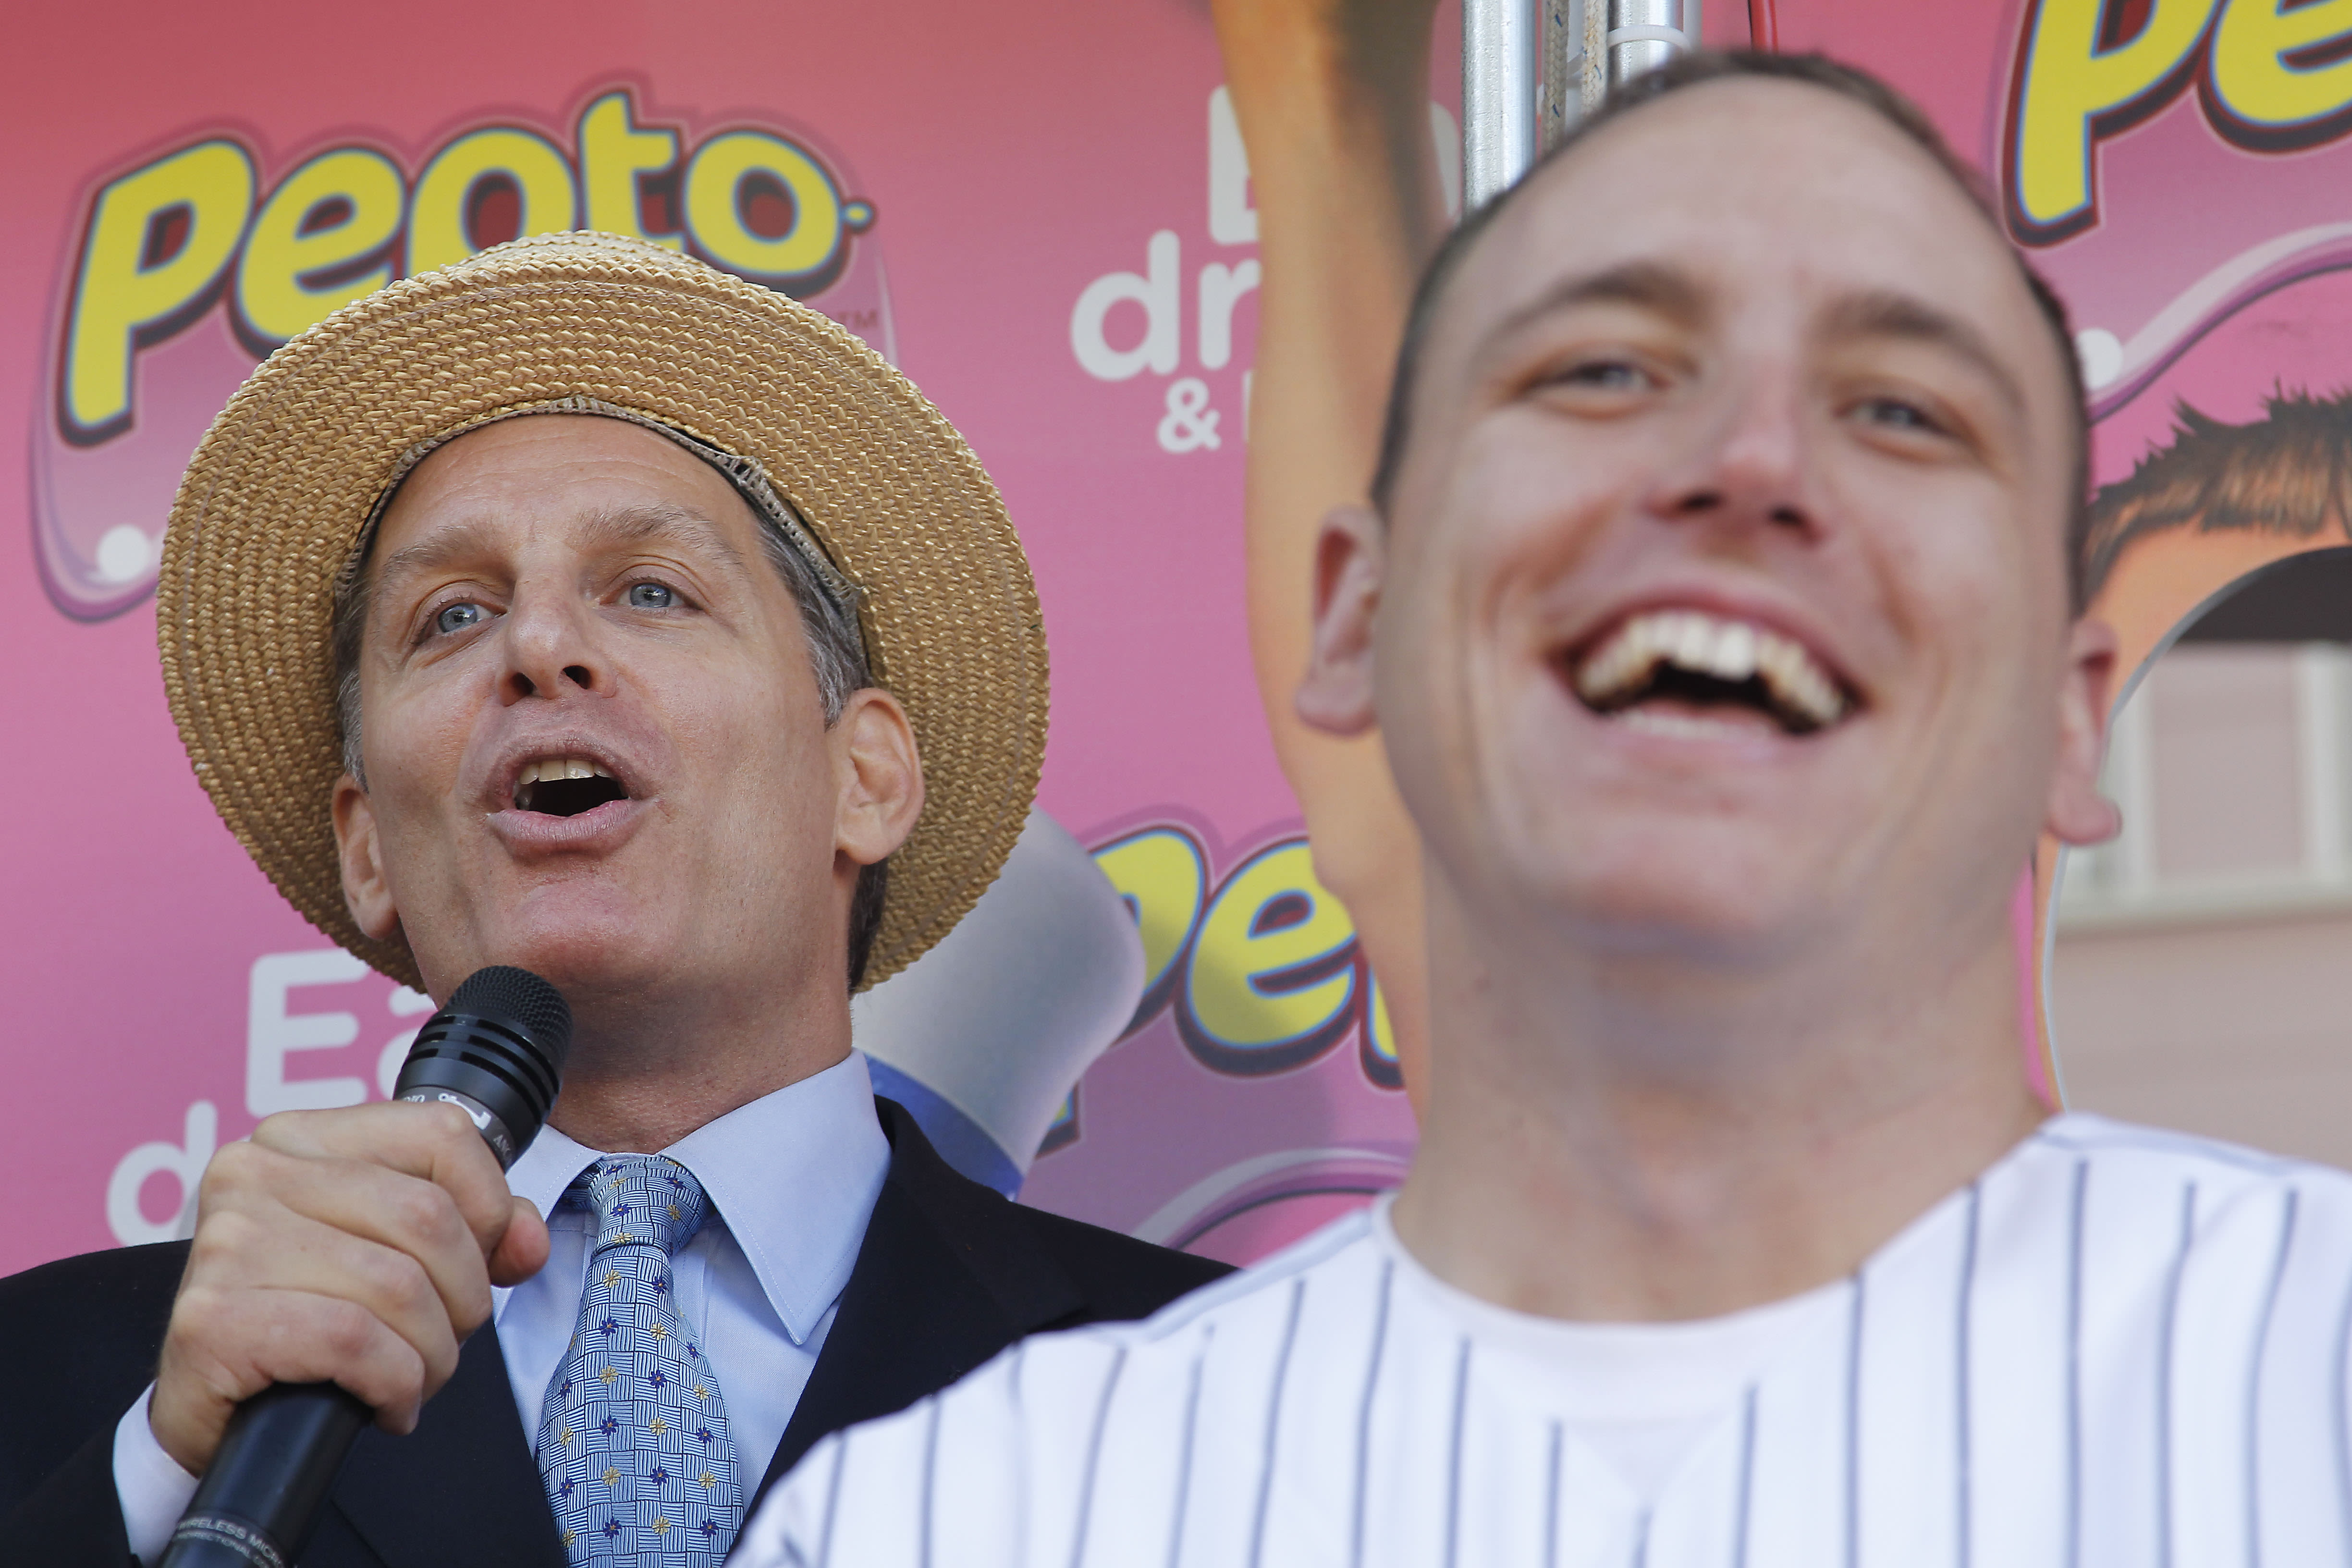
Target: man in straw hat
x=580, y=607
x=1713, y=603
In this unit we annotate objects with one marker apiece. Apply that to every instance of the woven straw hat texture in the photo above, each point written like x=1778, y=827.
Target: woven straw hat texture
x=273, y=502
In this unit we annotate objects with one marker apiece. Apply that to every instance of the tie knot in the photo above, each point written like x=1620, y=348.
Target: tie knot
x=643, y=1200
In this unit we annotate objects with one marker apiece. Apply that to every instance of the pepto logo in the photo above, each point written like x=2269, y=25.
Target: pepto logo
x=1261, y=968
x=2272, y=75
x=191, y=267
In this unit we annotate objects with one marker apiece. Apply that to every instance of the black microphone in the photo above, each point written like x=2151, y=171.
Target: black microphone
x=496, y=1052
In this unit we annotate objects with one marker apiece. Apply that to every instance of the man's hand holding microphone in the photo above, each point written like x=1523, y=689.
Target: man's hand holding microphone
x=340, y=1259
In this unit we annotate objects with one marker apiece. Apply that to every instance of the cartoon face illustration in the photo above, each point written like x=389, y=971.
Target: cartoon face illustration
x=2195, y=971
x=2221, y=502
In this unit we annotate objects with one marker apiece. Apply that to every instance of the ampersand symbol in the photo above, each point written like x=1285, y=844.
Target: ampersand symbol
x=1190, y=423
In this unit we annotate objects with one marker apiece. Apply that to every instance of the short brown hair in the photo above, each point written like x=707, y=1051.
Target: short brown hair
x=2287, y=473
x=1693, y=70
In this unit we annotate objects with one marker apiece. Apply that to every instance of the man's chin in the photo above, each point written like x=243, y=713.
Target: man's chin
x=1707, y=907
x=579, y=956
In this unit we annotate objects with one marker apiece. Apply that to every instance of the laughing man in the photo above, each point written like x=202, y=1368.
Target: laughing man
x=1714, y=608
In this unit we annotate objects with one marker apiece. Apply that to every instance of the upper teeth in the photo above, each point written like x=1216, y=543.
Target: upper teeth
x=1709, y=644
x=560, y=768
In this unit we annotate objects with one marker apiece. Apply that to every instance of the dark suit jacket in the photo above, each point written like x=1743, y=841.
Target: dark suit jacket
x=948, y=1274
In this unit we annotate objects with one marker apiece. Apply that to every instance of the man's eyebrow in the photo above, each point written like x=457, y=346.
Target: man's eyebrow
x=628, y=526
x=442, y=547
x=1901, y=316
x=1646, y=284
x=614, y=529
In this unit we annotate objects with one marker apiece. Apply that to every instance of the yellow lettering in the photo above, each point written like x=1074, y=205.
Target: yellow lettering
x=437, y=234
x=277, y=291
x=122, y=291
x=1159, y=873
x=1272, y=980
x=714, y=209
x=2068, y=84
x=2252, y=78
x=614, y=154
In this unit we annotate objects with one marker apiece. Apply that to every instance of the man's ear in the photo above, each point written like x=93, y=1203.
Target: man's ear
x=366, y=892
x=2078, y=813
x=878, y=773
x=1350, y=553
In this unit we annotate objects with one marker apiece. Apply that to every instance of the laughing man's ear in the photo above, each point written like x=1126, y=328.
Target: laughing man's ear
x=366, y=892
x=2078, y=813
x=1335, y=695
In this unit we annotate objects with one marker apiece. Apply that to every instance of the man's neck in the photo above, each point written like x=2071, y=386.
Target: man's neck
x=1661, y=1148
x=641, y=1075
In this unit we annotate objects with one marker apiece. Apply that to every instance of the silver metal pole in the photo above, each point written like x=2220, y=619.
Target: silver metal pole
x=1645, y=33
x=1592, y=45
x=1498, y=96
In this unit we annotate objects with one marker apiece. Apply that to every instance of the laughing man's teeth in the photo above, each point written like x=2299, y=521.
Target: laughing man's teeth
x=560, y=768
x=1727, y=650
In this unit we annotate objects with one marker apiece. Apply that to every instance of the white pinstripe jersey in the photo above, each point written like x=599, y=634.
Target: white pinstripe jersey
x=2116, y=1346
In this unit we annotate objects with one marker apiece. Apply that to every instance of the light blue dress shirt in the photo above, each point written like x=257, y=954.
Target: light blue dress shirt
x=792, y=1178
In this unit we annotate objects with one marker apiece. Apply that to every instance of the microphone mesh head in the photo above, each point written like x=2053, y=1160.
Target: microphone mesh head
x=521, y=998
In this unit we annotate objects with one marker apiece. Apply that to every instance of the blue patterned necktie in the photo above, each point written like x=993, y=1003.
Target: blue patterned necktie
x=633, y=1438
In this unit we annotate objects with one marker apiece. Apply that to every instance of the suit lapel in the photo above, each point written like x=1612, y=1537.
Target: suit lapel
x=462, y=1488
x=947, y=1276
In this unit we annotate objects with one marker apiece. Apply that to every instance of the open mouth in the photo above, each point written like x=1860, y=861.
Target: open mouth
x=1687, y=671
x=565, y=786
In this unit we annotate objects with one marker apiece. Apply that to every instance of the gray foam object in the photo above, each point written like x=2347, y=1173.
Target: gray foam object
x=1003, y=1016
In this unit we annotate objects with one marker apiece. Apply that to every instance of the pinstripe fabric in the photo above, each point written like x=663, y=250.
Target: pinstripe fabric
x=2118, y=1346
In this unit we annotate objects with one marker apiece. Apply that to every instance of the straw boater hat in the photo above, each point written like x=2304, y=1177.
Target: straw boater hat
x=846, y=460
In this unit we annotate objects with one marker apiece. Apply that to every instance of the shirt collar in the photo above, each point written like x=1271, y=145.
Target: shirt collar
x=794, y=1175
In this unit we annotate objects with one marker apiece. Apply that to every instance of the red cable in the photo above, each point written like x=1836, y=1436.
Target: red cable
x=1763, y=30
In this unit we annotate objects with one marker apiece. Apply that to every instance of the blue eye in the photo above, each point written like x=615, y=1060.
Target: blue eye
x=1613, y=372
x=651, y=596
x=457, y=617
x=1606, y=375
x=1901, y=415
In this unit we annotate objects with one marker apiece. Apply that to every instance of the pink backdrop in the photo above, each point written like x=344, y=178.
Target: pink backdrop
x=1014, y=154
